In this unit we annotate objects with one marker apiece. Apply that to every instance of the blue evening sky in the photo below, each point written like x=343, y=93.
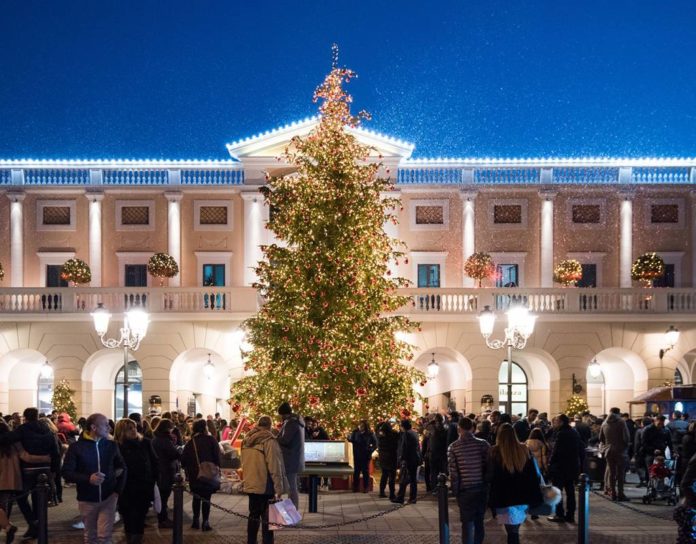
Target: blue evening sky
x=178, y=79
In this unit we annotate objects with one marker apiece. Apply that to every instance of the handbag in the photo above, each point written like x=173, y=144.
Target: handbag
x=283, y=514
x=156, y=499
x=550, y=495
x=208, y=473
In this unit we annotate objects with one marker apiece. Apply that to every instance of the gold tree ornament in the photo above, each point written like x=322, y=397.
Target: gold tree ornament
x=567, y=272
x=325, y=339
x=76, y=271
x=647, y=268
x=479, y=266
x=162, y=265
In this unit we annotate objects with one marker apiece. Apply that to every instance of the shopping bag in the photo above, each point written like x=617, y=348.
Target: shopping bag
x=157, y=500
x=283, y=513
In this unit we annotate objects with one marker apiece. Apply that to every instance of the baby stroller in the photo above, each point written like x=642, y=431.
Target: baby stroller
x=662, y=484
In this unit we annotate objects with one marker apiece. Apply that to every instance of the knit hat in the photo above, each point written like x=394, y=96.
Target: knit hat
x=284, y=409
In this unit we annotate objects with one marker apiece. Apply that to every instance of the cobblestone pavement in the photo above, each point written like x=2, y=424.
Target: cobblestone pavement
x=610, y=523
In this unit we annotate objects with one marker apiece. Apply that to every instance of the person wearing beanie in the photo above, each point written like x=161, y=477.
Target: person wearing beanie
x=291, y=440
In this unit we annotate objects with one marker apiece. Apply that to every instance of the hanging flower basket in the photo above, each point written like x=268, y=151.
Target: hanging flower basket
x=567, y=272
x=647, y=267
x=76, y=271
x=479, y=266
x=162, y=265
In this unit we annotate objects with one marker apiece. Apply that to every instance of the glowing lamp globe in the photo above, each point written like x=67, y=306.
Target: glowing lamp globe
x=138, y=321
x=486, y=321
x=672, y=336
x=101, y=317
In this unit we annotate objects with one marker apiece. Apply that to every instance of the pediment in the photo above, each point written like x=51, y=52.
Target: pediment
x=272, y=143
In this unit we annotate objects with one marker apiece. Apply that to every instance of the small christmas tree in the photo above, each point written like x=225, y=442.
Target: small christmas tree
x=325, y=338
x=647, y=268
x=479, y=266
x=162, y=265
x=576, y=405
x=76, y=271
x=62, y=399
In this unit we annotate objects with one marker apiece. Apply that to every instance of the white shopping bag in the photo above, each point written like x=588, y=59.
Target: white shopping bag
x=157, y=500
x=283, y=513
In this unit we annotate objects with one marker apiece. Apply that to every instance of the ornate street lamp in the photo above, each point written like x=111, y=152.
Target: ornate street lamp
x=671, y=338
x=433, y=369
x=595, y=369
x=134, y=329
x=520, y=326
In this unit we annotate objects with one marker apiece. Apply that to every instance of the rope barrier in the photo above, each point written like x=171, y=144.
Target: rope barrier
x=300, y=525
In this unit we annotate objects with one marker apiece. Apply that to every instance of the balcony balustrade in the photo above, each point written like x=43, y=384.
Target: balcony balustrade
x=450, y=301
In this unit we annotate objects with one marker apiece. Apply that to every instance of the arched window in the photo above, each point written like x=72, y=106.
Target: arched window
x=519, y=389
x=135, y=390
x=678, y=378
x=45, y=394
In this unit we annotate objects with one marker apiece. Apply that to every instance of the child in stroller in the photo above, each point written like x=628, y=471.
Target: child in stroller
x=661, y=483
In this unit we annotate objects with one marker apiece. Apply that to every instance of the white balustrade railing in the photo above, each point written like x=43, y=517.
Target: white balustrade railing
x=157, y=299
x=33, y=300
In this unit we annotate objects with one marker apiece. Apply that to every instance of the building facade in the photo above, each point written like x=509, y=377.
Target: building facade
x=209, y=215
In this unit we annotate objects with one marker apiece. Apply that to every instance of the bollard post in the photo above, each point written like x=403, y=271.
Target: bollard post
x=443, y=509
x=178, y=514
x=584, y=509
x=42, y=490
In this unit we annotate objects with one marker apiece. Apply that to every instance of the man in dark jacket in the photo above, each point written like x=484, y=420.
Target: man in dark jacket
x=291, y=440
x=409, y=459
x=524, y=426
x=655, y=437
x=95, y=465
x=437, y=450
x=387, y=446
x=566, y=460
x=36, y=439
x=614, y=440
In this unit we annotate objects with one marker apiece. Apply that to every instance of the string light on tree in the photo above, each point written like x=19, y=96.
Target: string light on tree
x=324, y=339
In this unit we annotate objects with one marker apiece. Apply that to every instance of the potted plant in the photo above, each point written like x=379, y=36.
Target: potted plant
x=162, y=265
x=567, y=273
x=646, y=268
x=76, y=271
x=479, y=266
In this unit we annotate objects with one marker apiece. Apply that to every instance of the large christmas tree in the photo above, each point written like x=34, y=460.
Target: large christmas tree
x=325, y=339
x=62, y=399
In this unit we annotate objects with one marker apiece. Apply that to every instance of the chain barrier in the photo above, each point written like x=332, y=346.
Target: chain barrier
x=300, y=525
x=630, y=507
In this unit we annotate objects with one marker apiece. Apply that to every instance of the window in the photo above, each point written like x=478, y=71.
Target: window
x=135, y=275
x=45, y=394
x=678, y=378
x=664, y=213
x=135, y=215
x=519, y=389
x=212, y=214
x=589, y=275
x=586, y=213
x=55, y=215
x=428, y=275
x=427, y=214
x=134, y=388
x=213, y=275
x=53, y=278
x=507, y=275
x=507, y=214
x=667, y=279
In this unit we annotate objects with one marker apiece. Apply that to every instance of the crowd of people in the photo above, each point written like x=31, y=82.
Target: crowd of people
x=493, y=460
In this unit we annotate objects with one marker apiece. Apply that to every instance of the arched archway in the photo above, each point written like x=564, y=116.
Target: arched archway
x=194, y=388
x=623, y=376
x=99, y=379
x=449, y=389
x=19, y=379
x=543, y=378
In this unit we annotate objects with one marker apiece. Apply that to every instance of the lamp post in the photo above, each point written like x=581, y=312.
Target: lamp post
x=671, y=338
x=520, y=326
x=433, y=368
x=134, y=329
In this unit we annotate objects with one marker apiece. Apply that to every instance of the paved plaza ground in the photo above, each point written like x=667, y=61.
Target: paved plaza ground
x=611, y=523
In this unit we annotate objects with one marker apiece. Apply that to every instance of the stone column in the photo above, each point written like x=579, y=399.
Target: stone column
x=626, y=238
x=95, y=237
x=692, y=194
x=254, y=234
x=468, y=231
x=174, y=232
x=546, y=247
x=16, y=238
x=392, y=230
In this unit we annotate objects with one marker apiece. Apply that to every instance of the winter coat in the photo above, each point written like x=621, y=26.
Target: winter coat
x=87, y=456
x=540, y=451
x=387, y=445
x=10, y=466
x=688, y=446
x=655, y=438
x=291, y=441
x=36, y=439
x=142, y=469
x=512, y=488
x=168, y=457
x=208, y=450
x=66, y=426
x=584, y=431
x=437, y=449
x=567, y=455
x=614, y=436
x=522, y=429
x=364, y=443
x=261, y=458
x=409, y=450
x=687, y=483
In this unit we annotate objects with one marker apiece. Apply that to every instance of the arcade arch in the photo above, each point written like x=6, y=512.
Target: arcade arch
x=623, y=376
x=21, y=369
x=449, y=389
x=193, y=389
